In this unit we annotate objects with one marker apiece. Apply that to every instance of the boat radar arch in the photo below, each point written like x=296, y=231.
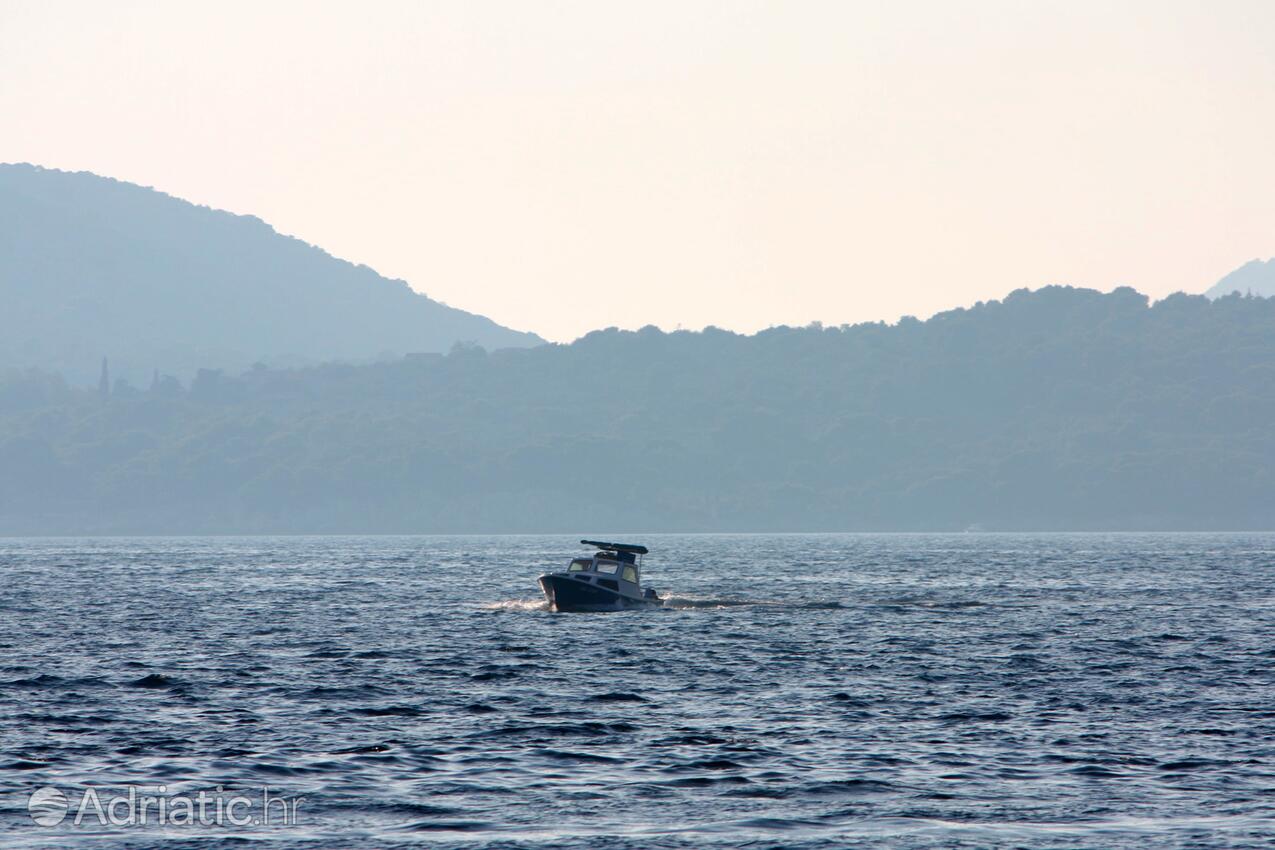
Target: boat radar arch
x=616, y=547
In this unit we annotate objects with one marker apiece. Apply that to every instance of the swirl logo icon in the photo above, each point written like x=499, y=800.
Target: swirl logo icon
x=47, y=806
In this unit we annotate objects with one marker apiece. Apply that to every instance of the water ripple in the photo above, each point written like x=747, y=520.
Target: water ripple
x=815, y=691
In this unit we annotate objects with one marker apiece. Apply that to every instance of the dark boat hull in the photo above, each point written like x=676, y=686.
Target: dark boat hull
x=567, y=593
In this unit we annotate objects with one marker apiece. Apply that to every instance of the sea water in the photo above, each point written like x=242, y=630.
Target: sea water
x=813, y=691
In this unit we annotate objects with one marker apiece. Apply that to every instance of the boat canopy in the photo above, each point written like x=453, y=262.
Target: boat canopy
x=616, y=547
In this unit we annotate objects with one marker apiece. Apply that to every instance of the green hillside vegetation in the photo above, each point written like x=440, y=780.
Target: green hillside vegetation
x=1055, y=409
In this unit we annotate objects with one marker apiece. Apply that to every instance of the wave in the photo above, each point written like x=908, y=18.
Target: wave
x=679, y=603
x=517, y=605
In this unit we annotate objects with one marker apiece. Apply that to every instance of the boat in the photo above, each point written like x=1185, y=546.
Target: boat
x=608, y=580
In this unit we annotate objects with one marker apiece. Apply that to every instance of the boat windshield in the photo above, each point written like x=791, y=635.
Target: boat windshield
x=608, y=567
x=579, y=564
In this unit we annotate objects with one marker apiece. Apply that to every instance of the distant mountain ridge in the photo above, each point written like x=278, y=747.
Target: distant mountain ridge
x=1255, y=277
x=1059, y=409
x=91, y=267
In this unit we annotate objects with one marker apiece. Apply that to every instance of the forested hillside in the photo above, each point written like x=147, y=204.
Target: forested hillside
x=1055, y=409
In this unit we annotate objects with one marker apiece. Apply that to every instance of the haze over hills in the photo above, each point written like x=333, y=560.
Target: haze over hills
x=93, y=267
x=1060, y=409
x=1055, y=409
x=1255, y=277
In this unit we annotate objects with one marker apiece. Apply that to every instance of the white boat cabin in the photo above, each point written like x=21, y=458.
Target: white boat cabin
x=606, y=569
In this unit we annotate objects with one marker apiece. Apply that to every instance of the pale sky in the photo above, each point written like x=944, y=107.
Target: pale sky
x=563, y=166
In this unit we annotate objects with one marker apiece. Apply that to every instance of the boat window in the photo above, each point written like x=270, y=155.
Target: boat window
x=579, y=565
x=630, y=574
x=608, y=567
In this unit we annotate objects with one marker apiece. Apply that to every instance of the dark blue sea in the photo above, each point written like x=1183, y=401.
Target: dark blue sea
x=807, y=691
